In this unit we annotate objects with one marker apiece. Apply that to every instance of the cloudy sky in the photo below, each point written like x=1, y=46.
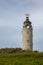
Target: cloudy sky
x=12, y=16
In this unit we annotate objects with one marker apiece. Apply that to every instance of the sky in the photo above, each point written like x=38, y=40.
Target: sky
x=12, y=16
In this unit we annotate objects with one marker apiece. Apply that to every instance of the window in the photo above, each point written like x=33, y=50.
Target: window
x=27, y=32
x=27, y=41
x=27, y=26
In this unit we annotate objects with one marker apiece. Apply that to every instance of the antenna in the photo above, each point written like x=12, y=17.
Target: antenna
x=27, y=15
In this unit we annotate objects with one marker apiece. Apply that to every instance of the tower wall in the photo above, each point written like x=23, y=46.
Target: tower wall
x=27, y=39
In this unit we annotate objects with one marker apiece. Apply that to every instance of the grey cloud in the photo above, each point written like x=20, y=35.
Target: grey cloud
x=38, y=39
x=11, y=20
x=9, y=37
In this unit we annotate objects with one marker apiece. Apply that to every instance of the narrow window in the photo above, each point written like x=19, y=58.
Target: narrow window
x=27, y=32
x=27, y=41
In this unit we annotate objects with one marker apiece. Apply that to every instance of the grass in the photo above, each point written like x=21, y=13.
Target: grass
x=24, y=58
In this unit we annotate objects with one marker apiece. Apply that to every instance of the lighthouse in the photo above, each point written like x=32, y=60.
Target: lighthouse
x=27, y=35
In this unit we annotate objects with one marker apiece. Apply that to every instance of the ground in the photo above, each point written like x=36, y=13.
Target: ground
x=23, y=58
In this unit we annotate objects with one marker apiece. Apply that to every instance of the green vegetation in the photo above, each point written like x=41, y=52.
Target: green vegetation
x=20, y=57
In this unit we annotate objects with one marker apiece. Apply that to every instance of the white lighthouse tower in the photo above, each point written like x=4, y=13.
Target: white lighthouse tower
x=27, y=36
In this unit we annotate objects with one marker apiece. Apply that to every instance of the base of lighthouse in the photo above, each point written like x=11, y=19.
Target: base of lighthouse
x=27, y=39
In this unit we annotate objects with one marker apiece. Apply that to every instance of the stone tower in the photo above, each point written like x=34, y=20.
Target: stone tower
x=27, y=41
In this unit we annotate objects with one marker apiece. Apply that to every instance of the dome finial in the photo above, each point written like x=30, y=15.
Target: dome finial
x=27, y=16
